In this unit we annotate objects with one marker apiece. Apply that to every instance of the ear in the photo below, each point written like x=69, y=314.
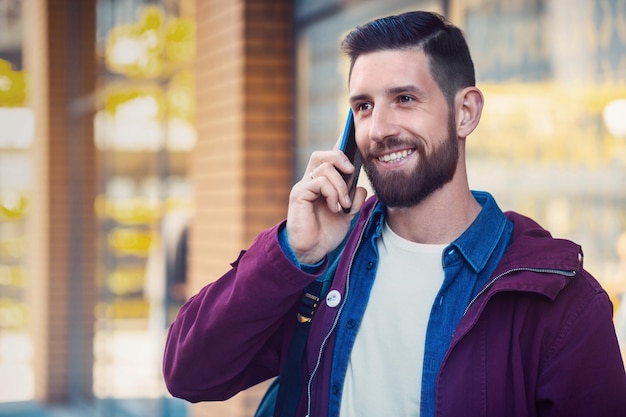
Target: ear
x=468, y=105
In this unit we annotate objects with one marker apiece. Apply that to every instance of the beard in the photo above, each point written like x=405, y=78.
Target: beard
x=403, y=190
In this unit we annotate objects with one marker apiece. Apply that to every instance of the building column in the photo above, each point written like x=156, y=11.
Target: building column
x=242, y=165
x=59, y=56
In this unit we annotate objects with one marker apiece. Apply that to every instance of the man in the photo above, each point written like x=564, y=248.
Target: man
x=441, y=304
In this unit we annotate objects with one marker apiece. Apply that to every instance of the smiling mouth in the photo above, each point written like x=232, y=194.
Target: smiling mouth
x=396, y=156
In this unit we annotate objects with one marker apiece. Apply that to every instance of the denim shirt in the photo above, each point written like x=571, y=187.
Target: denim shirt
x=468, y=263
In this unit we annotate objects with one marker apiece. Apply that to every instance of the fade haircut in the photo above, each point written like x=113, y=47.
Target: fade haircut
x=443, y=44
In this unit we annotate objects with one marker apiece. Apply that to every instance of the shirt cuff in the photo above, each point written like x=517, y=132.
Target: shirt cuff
x=291, y=255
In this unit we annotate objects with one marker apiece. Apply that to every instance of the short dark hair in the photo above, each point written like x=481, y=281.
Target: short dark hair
x=448, y=55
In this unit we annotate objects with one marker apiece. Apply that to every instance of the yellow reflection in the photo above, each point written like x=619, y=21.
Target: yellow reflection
x=152, y=47
x=122, y=281
x=123, y=308
x=545, y=124
x=13, y=248
x=12, y=86
x=180, y=96
x=132, y=118
x=13, y=276
x=13, y=204
x=134, y=210
x=13, y=314
x=134, y=50
x=144, y=118
x=130, y=241
x=146, y=100
x=179, y=40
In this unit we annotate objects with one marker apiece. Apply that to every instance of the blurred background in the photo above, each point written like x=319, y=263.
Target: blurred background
x=143, y=143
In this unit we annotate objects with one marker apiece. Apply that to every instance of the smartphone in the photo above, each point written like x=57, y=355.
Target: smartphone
x=348, y=147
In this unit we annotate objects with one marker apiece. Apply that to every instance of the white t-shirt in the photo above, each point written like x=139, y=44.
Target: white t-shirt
x=384, y=376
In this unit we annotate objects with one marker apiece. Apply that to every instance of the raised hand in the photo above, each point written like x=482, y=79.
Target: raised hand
x=316, y=221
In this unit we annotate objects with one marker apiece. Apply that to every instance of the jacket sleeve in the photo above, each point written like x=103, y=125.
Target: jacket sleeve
x=228, y=337
x=584, y=373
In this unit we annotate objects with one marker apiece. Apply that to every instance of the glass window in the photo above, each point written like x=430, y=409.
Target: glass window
x=144, y=132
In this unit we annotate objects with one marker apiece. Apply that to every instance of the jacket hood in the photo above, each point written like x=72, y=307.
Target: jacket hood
x=533, y=245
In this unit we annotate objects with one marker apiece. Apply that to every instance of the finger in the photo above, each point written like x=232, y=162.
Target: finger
x=335, y=158
x=331, y=173
x=318, y=158
x=360, y=195
x=317, y=190
x=329, y=191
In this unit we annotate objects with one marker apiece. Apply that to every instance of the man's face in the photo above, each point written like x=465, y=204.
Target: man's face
x=404, y=128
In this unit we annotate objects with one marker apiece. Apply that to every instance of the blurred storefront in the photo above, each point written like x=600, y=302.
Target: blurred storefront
x=46, y=204
x=144, y=132
x=143, y=143
x=97, y=118
x=16, y=185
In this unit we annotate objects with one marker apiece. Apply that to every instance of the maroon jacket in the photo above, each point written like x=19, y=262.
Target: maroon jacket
x=534, y=343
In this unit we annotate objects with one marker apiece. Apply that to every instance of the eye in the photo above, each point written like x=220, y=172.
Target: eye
x=363, y=107
x=405, y=99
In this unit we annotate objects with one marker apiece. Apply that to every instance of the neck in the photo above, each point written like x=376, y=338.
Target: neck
x=439, y=219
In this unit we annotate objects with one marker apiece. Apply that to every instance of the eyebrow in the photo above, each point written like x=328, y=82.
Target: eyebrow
x=392, y=91
x=406, y=89
x=358, y=97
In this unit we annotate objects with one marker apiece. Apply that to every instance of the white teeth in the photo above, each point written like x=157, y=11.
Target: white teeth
x=395, y=156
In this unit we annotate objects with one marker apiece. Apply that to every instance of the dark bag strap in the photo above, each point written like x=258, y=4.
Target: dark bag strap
x=290, y=380
x=291, y=374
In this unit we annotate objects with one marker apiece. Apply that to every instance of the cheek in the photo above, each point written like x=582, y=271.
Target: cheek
x=362, y=137
x=434, y=127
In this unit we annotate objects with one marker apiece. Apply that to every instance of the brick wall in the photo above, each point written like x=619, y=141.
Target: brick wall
x=60, y=59
x=242, y=165
x=269, y=113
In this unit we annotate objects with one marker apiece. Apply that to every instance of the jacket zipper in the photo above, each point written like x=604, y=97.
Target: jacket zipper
x=332, y=328
x=538, y=270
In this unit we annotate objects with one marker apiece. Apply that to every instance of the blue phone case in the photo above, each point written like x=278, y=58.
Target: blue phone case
x=348, y=147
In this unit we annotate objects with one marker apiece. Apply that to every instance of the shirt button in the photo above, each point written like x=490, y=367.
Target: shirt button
x=350, y=324
x=370, y=265
x=333, y=298
x=335, y=389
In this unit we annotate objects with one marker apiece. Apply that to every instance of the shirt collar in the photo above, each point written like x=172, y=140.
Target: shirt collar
x=377, y=218
x=480, y=239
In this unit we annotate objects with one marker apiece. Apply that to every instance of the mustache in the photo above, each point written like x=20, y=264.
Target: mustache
x=392, y=143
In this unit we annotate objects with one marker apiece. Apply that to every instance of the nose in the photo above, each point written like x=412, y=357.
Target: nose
x=383, y=124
